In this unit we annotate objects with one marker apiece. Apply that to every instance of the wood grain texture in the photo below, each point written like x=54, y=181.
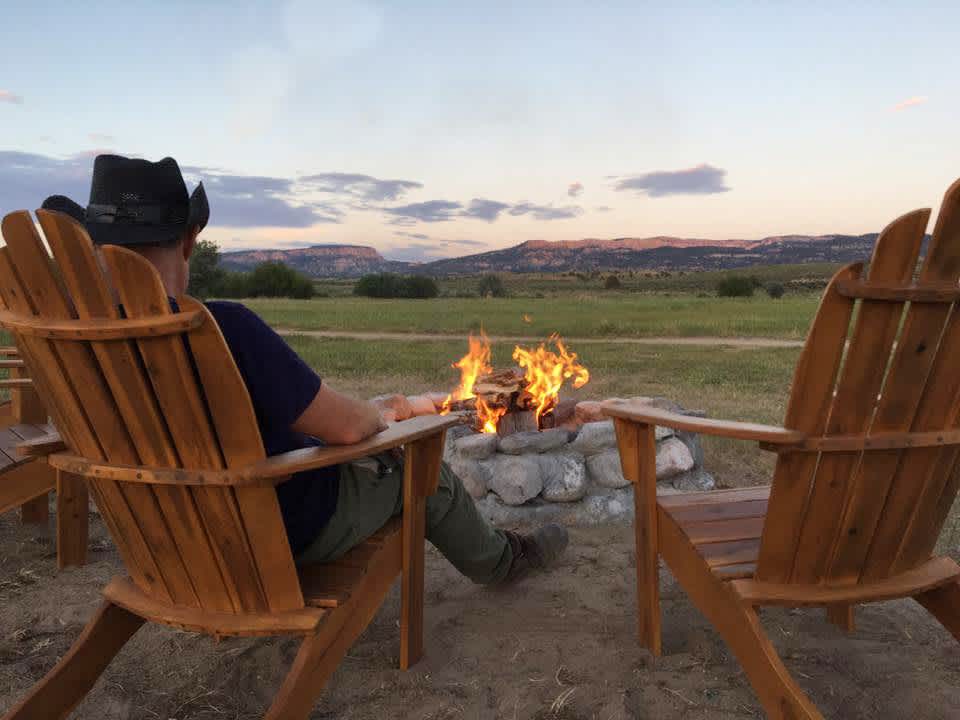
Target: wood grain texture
x=120, y=329
x=934, y=573
x=647, y=415
x=810, y=399
x=638, y=457
x=73, y=524
x=894, y=260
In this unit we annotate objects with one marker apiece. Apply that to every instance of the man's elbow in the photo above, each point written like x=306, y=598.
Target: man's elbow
x=348, y=436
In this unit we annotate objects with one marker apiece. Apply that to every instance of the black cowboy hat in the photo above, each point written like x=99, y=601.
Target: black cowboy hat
x=136, y=202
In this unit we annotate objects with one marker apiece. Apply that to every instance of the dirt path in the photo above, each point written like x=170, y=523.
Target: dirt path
x=741, y=342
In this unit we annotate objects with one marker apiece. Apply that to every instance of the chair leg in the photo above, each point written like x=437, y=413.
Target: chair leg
x=739, y=625
x=72, y=520
x=71, y=679
x=842, y=616
x=411, y=583
x=321, y=653
x=944, y=604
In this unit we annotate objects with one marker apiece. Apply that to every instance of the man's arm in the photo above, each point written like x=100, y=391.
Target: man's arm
x=338, y=419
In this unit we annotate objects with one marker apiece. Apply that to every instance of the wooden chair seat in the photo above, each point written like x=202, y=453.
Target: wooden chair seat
x=723, y=525
x=330, y=585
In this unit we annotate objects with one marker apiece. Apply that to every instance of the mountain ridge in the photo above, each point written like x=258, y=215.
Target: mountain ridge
x=652, y=253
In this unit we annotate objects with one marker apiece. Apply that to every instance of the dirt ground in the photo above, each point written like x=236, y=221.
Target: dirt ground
x=558, y=646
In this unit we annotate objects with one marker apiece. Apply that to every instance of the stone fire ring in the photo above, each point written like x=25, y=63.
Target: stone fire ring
x=570, y=472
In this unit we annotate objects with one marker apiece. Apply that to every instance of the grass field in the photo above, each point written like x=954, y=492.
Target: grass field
x=572, y=315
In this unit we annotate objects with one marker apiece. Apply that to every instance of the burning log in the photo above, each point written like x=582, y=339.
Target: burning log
x=517, y=421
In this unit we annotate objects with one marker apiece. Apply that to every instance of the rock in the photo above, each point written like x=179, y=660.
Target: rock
x=534, y=441
x=515, y=478
x=604, y=469
x=697, y=480
x=694, y=445
x=453, y=434
x=437, y=398
x=474, y=474
x=588, y=411
x=421, y=405
x=595, y=437
x=564, y=476
x=478, y=446
x=396, y=402
x=673, y=458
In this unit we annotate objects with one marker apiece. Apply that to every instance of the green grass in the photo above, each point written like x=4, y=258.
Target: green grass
x=577, y=315
x=796, y=278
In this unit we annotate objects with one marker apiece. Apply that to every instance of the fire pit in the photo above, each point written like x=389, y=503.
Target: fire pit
x=521, y=451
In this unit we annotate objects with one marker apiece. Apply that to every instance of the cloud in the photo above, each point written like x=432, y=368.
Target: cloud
x=364, y=187
x=603, y=208
x=412, y=236
x=546, y=212
x=259, y=201
x=700, y=180
x=324, y=30
x=101, y=138
x=910, y=102
x=27, y=179
x=575, y=189
x=430, y=211
x=472, y=243
x=9, y=97
x=488, y=210
x=416, y=252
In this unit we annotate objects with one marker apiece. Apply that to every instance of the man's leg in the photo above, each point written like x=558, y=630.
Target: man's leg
x=470, y=543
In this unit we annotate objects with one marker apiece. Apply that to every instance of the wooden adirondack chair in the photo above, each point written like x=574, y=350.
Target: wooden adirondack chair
x=172, y=454
x=866, y=470
x=25, y=481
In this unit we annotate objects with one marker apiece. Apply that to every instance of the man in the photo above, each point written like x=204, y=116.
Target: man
x=145, y=207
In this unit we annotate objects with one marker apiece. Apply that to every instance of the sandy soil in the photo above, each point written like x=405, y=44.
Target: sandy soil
x=707, y=341
x=558, y=646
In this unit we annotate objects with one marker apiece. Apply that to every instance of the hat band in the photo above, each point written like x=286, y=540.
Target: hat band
x=137, y=214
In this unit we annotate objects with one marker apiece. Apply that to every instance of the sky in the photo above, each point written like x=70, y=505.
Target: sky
x=433, y=129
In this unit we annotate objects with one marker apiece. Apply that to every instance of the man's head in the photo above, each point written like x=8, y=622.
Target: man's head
x=143, y=206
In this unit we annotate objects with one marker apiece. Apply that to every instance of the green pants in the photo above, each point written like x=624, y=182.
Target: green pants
x=368, y=499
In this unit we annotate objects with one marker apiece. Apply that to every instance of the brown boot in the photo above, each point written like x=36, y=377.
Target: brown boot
x=538, y=550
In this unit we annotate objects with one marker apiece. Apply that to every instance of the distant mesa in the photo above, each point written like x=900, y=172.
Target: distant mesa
x=653, y=253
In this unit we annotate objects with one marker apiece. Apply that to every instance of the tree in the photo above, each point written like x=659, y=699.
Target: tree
x=274, y=279
x=389, y=285
x=491, y=285
x=612, y=283
x=735, y=286
x=206, y=275
x=775, y=290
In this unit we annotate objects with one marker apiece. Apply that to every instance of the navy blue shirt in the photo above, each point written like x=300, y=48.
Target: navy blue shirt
x=281, y=386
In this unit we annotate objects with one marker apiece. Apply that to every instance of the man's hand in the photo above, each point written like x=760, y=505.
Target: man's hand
x=339, y=419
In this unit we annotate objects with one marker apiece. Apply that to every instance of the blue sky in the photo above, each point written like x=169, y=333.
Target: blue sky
x=432, y=129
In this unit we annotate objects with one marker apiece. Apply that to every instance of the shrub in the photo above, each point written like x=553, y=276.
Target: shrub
x=612, y=283
x=775, y=290
x=735, y=286
x=206, y=275
x=389, y=285
x=274, y=279
x=491, y=285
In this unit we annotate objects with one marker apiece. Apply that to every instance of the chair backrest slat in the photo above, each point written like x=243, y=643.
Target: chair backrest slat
x=175, y=400
x=807, y=410
x=848, y=517
x=861, y=378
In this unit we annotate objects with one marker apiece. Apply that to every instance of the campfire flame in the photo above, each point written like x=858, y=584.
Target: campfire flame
x=545, y=372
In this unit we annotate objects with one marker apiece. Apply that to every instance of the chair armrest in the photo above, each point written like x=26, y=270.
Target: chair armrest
x=41, y=446
x=646, y=415
x=268, y=472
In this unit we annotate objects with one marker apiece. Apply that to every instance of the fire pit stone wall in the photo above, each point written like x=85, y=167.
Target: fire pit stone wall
x=554, y=471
